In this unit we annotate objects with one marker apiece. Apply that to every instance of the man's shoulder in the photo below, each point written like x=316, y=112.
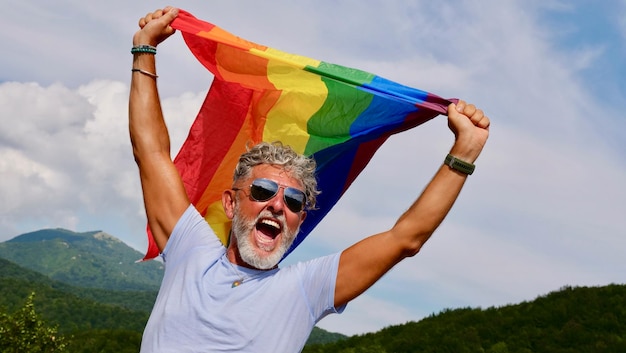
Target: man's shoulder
x=326, y=262
x=191, y=231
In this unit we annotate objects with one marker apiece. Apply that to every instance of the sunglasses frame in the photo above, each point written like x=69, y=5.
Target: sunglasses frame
x=261, y=185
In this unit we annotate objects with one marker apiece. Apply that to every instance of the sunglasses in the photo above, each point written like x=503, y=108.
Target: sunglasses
x=265, y=189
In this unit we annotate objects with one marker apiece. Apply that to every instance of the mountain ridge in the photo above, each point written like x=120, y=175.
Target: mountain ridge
x=50, y=234
x=93, y=259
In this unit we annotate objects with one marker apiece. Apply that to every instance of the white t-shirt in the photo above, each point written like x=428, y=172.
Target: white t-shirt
x=199, y=310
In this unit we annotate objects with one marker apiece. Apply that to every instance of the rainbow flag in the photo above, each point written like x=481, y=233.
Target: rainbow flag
x=338, y=115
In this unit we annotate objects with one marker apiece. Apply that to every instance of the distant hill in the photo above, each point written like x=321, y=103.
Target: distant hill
x=91, y=259
x=73, y=308
x=17, y=282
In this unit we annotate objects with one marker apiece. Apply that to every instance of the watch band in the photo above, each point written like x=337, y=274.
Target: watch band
x=460, y=165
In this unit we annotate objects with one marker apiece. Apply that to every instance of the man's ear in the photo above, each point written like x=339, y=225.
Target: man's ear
x=228, y=202
x=302, y=216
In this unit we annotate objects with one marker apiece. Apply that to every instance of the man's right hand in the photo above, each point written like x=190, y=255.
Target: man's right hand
x=471, y=130
x=155, y=27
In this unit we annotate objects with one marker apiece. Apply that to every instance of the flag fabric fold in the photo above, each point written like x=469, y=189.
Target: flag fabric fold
x=337, y=115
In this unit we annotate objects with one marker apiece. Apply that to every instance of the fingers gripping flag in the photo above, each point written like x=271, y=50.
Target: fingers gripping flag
x=337, y=115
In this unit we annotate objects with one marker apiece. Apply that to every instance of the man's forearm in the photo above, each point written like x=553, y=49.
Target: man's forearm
x=419, y=222
x=148, y=131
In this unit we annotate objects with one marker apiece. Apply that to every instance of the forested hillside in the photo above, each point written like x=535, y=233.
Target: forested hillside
x=91, y=259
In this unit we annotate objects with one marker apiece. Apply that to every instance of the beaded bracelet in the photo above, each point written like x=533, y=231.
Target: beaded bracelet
x=143, y=49
x=144, y=72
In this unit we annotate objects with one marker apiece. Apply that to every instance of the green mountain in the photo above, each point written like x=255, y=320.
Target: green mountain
x=16, y=283
x=91, y=259
x=93, y=320
x=89, y=326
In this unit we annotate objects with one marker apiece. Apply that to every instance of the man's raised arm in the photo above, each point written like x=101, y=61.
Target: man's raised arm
x=164, y=195
x=362, y=264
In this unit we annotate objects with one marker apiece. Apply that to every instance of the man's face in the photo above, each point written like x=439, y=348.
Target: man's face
x=264, y=230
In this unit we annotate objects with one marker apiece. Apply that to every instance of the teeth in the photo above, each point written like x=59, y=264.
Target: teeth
x=271, y=223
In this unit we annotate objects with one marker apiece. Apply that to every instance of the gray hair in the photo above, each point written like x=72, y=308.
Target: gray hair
x=275, y=153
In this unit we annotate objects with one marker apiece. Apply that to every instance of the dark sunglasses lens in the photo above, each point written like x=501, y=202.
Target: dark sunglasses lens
x=294, y=199
x=263, y=189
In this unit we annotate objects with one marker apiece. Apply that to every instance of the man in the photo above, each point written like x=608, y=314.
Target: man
x=236, y=299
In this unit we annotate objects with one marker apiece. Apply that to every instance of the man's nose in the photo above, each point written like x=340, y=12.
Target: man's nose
x=277, y=203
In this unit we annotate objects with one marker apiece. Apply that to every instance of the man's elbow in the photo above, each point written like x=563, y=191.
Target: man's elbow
x=412, y=242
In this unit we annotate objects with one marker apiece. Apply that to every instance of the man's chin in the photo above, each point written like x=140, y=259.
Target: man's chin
x=261, y=259
x=262, y=264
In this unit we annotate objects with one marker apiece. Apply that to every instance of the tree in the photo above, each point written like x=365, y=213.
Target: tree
x=25, y=332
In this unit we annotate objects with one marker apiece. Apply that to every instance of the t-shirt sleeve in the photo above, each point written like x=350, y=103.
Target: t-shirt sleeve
x=191, y=231
x=319, y=279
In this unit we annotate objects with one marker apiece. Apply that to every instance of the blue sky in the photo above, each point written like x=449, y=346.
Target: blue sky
x=544, y=209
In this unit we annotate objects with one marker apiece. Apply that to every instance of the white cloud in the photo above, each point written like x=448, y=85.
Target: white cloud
x=41, y=127
x=25, y=178
x=66, y=153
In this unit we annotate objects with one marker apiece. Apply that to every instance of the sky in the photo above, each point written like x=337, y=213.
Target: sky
x=544, y=209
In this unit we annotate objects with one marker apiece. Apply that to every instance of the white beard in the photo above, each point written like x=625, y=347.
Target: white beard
x=249, y=254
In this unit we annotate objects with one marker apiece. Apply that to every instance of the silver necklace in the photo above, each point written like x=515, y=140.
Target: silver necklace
x=242, y=277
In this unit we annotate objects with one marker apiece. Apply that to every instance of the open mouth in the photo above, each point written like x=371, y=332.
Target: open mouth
x=269, y=229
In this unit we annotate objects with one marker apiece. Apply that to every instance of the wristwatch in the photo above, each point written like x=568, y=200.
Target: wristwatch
x=460, y=165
